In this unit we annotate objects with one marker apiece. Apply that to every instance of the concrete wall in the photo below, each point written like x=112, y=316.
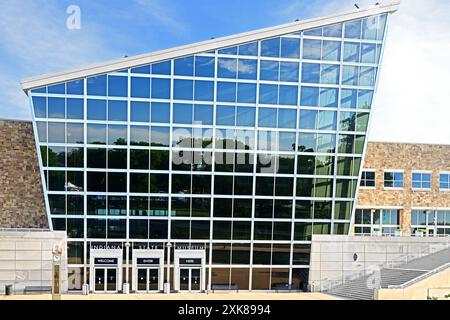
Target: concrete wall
x=26, y=259
x=408, y=157
x=431, y=286
x=21, y=196
x=332, y=257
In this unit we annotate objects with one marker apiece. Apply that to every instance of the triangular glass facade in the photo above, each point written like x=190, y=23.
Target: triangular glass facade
x=247, y=150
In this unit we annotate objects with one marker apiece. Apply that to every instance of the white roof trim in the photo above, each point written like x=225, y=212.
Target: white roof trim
x=213, y=44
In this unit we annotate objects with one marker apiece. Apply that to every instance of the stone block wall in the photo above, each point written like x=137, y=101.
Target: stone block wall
x=21, y=196
x=26, y=259
x=408, y=157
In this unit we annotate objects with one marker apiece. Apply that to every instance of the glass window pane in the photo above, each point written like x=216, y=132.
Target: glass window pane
x=329, y=98
x=249, y=49
x=56, y=108
x=312, y=49
x=245, y=116
x=310, y=97
x=182, y=113
x=160, y=136
x=227, y=68
x=96, y=86
x=311, y=73
x=246, y=93
x=75, y=109
x=269, y=70
x=270, y=48
x=140, y=111
x=117, y=135
x=350, y=75
x=204, y=90
x=75, y=133
x=203, y=114
x=140, y=87
x=247, y=69
x=226, y=91
x=204, y=67
x=142, y=70
x=139, y=135
x=349, y=98
x=225, y=116
x=267, y=117
x=369, y=28
x=329, y=74
x=56, y=132
x=183, y=89
x=287, y=118
x=96, y=109
x=160, y=88
x=351, y=51
x=268, y=94
x=290, y=48
x=160, y=112
x=289, y=72
x=353, y=29
x=331, y=50
x=40, y=107
x=75, y=87
x=117, y=110
x=184, y=66
x=117, y=86
x=96, y=134
x=308, y=119
x=288, y=95
x=333, y=31
x=162, y=68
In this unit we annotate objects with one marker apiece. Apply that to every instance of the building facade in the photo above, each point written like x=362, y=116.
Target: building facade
x=405, y=188
x=209, y=164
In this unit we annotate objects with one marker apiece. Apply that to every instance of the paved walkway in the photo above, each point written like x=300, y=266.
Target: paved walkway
x=181, y=296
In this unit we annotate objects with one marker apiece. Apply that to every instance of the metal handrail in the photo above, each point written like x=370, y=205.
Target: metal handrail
x=333, y=283
x=421, y=277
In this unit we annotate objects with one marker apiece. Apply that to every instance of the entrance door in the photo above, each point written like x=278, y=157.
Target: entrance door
x=99, y=280
x=105, y=280
x=111, y=280
x=190, y=279
x=147, y=279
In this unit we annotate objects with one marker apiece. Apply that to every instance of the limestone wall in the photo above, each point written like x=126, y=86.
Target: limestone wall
x=21, y=197
x=336, y=257
x=408, y=157
x=26, y=259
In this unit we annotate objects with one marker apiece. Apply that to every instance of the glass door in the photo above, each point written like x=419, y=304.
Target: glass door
x=195, y=280
x=184, y=280
x=111, y=280
x=190, y=279
x=99, y=280
x=153, y=279
x=142, y=280
x=431, y=231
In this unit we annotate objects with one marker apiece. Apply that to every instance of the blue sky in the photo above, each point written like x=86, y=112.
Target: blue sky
x=413, y=88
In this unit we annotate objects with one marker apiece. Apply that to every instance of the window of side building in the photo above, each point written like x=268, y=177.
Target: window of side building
x=444, y=181
x=368, y=179
x=393, y=179
x=421, y=180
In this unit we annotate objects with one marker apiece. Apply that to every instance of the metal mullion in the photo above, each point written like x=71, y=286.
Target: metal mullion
x=294, y=187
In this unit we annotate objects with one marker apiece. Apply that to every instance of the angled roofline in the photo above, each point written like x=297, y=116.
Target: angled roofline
x=204, y=46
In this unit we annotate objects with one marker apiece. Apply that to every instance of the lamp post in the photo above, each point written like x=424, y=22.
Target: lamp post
x=126, y=287
x=167, y=284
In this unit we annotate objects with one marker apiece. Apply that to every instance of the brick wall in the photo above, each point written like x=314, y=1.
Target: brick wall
x=408, y=157
x=21, y=197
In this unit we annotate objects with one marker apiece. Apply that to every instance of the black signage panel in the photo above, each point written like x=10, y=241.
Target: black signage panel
x=190, y=261
x=105, y=261
x=148, y=261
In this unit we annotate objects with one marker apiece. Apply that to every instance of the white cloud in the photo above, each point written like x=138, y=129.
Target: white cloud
x=35, y=39
x=161, y=13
